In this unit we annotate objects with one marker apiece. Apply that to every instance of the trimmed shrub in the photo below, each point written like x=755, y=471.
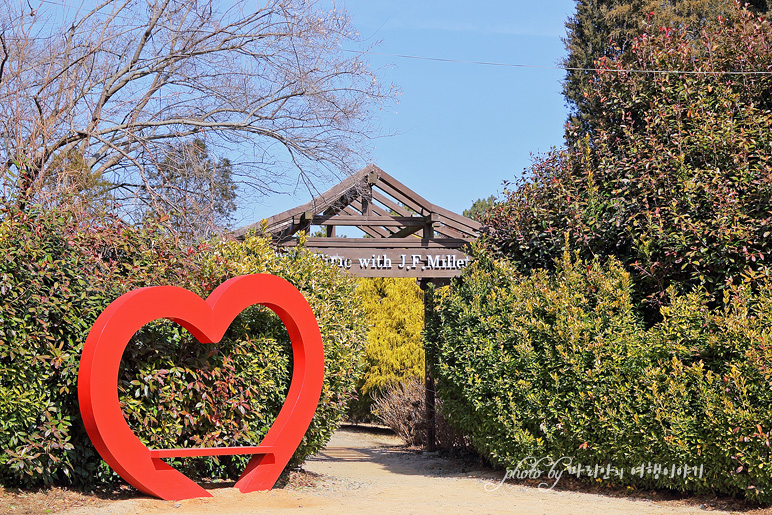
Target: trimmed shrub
x=58, y=273
x=560, y=365
x=56, y=276
x=332, y=296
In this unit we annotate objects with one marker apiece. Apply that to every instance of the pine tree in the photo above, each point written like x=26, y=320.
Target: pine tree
x=479, y=207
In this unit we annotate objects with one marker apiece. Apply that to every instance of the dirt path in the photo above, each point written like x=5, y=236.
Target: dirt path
x=362, y=472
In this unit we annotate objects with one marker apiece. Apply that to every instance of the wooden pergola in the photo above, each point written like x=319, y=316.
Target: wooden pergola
x=406, y=235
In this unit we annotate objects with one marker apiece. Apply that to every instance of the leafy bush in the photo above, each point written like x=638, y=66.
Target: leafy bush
x=58, y=273
x=560, y=364
x=56, y=276
x=674, y=177
x=394, y=352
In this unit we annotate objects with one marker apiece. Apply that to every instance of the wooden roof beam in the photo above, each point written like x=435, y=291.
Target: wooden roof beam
x=375, y=243
x=386, y=181
x=380, y=212
x=399, y=197
x=455, y=220
x=407, y=231
x=375, y=232
x=382, y=221
x=451, y=232
x=390, y=204
x=389, y=184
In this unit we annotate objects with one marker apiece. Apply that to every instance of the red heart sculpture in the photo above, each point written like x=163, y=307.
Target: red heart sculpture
x=207, y=321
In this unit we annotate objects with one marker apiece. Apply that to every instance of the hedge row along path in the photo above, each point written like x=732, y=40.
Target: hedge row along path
x=367, y=472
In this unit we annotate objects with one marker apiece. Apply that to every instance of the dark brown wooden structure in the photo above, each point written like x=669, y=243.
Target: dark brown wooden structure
x=408, y=236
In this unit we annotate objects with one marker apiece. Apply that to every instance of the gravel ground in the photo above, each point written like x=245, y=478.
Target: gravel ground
x=370, y=472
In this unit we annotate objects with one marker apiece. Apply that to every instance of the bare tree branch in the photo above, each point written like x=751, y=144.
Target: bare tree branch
x=115, y=87
x=5, y=55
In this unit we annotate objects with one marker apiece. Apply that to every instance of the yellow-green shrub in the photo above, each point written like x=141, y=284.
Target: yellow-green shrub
x=394, y=352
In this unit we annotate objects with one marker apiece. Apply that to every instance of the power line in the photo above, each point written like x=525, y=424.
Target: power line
x=566, y=68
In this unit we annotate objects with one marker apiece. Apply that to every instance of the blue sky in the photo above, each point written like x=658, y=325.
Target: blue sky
x=460, y=129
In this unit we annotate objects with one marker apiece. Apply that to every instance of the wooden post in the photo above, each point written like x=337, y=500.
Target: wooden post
x=431, y=433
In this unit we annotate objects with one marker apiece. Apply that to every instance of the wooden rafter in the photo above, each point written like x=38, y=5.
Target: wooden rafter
x=390, y=204
x=385, y=221
x=375, y=243
x=369, y=200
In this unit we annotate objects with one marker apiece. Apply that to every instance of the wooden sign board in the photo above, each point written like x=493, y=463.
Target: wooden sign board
x=398, y=263
x=371, y=257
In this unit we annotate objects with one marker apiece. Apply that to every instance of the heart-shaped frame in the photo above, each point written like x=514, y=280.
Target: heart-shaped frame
x=207, y=320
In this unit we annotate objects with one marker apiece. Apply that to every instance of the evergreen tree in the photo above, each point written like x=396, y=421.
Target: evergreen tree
x=479, y=207
x=197, y=193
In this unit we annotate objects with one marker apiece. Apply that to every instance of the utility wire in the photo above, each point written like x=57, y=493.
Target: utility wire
x=567, y=68
x=535, y=66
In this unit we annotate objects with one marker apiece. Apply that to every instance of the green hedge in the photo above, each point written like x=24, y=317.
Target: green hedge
x=559, y=364
x=57, y=273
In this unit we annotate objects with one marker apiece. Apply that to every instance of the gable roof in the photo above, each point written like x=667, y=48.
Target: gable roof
x=376, y=203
